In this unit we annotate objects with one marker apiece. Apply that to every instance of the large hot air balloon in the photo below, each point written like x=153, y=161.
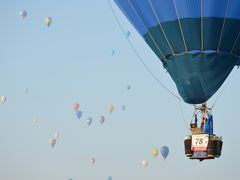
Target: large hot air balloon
x=198, y=41
x=164, y=151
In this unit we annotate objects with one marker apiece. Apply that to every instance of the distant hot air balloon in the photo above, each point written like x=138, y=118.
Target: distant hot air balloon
x=48, y=21
x=92, y=160
x=128, y=87
x=112, y=52
x=56, y=136
x=75, y=106
x=23, y=14
x=109, y=178
x=34, y=120
x=101, y=119
x=164, y=151
x=79, y=114
x=110, y=109
x=128, y=34
x=26, y=91
x=52, y=142
x=3, y=99
x=123, y=107
x=89, y=121
x=145, y=163
x=155, y=152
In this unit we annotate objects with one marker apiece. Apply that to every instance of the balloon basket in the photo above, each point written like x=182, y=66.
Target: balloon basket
x=203, y=146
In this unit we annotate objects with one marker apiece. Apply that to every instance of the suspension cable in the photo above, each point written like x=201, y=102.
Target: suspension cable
x=221, y=93
x=182, y=114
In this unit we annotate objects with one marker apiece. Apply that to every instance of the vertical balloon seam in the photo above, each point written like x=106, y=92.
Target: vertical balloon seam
x=135, y=11
x=180, y=26
x=202, y=33
x=161, y=27
x=224, y=21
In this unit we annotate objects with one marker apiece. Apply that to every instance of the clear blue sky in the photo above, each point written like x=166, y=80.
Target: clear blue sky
x=71, y=62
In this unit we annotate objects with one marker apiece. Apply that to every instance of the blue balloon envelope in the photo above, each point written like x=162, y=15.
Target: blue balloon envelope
x=197, y=41
x=79, y=114
x=164, y=151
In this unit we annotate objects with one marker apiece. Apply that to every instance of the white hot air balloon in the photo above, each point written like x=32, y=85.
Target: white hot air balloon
x=34, y=120
x=3, y=99
x=56, y=135
x=144, y=163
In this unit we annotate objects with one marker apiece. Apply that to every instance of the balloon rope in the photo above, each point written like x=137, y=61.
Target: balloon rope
x=221, y=93
x=139, y=57
x=182, y=114
x=223, y=25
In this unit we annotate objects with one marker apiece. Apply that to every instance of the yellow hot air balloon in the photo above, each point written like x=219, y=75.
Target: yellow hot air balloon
x=110, y=109
x=155, y=152
x=48, y=21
